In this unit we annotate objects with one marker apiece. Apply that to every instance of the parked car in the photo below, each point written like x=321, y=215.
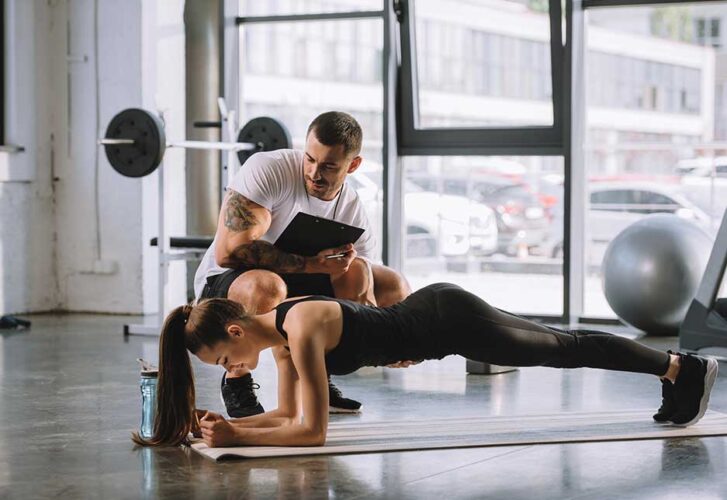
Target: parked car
x=613, y=206
x=703, y=167
x=436, y=225
x=522, y=220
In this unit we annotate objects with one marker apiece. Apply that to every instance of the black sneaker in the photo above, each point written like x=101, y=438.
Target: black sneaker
x=337, y=403
x=691, y=390
x=239, y=397
x=668, y=405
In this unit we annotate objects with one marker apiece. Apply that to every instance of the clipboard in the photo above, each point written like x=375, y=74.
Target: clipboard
x=307, y=235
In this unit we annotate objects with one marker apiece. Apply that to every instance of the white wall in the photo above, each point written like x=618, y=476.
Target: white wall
x=98, y=244
x=59, y=247
x=27, y=272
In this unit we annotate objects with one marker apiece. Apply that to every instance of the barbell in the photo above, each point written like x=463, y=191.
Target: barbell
x=135, y=141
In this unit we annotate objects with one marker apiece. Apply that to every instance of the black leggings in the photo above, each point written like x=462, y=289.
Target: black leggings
x=484, y=333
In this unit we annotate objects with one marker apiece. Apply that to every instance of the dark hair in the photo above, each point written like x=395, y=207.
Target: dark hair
x=336, y=127
x=186, y=328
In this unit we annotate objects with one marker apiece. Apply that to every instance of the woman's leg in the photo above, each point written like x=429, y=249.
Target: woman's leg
x=485, y=333
x=488, y=334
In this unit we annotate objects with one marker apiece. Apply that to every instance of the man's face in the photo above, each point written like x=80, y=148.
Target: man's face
x=325, y=168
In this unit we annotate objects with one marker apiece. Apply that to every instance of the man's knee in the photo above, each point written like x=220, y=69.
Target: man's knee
x=258, y=290
x=354, y=283
x=390, y=287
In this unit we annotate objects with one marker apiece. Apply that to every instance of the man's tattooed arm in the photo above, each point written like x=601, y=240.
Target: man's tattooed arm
x=263, y=255
x=239, y=217
x=238, y=214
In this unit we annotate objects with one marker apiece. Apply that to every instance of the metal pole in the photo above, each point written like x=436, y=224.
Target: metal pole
x=162, y=247
x=202, y=29
x=218, y=146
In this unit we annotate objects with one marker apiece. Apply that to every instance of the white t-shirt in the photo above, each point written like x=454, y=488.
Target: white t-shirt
x=274, y=180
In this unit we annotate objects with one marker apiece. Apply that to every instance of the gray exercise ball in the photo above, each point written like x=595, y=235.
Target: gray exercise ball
x=651, y=271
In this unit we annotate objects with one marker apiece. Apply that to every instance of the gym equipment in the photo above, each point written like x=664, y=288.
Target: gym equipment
x=474, y=431
x=264, y=132
x=651, y=271
x=135, y=141
x=705, y=324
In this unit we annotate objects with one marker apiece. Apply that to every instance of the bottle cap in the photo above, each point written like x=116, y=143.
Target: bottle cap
x=148, y=370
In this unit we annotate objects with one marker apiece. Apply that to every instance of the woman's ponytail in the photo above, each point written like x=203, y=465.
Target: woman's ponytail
x=175, y=387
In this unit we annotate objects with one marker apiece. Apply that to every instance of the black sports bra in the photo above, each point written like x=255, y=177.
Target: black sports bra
x=373, y=336
x=281, y=311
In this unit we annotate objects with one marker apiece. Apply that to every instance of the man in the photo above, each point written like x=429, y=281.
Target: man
x=262, y=199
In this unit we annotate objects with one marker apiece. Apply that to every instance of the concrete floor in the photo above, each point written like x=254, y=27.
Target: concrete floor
x=69, y=399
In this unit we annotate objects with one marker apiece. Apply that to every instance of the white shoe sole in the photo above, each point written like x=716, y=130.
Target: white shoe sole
x=342, y=411
x=709, y=378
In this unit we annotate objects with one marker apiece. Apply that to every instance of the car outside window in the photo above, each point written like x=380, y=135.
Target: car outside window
x=649, y=202
x=612, y=200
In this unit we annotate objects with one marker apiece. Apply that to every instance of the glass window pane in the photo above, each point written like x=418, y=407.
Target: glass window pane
x=493, y=225
x=483, y=64
x=317, y=67
x=288, y=7
x=652, y=125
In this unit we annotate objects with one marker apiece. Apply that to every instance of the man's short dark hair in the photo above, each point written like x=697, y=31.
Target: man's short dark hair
x=336, y=127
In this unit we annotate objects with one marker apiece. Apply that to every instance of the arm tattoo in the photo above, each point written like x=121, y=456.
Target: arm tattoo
x=238, y=215
x=263, y=255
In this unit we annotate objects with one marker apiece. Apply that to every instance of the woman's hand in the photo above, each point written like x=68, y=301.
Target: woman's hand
x=216, y=431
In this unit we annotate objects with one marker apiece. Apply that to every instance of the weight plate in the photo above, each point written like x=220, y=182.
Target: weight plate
x=267, y=133
x=145, y=155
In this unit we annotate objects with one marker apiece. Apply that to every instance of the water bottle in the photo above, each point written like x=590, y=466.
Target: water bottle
x=148, y=386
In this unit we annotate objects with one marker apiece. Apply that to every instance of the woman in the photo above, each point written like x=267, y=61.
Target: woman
x=313, y=336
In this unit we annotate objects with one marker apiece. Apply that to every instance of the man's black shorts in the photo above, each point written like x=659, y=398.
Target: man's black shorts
x=298, y=284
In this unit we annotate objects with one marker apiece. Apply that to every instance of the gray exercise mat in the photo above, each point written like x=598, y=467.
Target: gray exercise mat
x=471, y=432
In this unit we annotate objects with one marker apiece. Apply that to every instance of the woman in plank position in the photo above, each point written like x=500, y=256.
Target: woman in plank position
x=314, y=336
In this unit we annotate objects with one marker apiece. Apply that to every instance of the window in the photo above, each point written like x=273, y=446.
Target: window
x=708, y=31
x=480, y=76
x=317, y=66
x=494, y=225
x=625, y=82
x=297, y=7
x=649, y=202
x=652, y=105
x=615, y=200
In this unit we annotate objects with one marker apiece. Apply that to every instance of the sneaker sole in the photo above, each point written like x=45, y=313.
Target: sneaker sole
x=342, y=411
x=709, y=378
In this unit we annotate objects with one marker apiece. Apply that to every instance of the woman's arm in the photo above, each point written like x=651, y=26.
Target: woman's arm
x=288, y=410
x=308, y=358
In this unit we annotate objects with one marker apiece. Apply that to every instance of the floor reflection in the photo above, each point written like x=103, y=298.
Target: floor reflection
x=297, y=477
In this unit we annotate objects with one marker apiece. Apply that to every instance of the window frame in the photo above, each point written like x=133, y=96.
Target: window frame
x=517, y=140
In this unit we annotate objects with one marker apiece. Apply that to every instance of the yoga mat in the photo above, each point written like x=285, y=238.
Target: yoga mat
x=472, y=432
